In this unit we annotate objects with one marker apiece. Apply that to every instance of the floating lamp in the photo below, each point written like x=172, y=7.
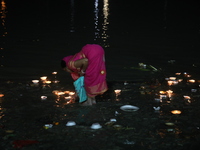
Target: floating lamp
x=172, y=78
x=117, y=92
x=191, y=81
x=169, y=92
x=1, y=95
x=170, y=82
x=56, y=81
x=176, y=112
x=43, y=78
x=71, y=93
x=180, y=80
x=68, y=97
x=178, y=73
x=187, y=97
x=60, y=93
x=43, y=97
x=47, y=82
x=35, y=81
x=54, y=72
x=162, y=92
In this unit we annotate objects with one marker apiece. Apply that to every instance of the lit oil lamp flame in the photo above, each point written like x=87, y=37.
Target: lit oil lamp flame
x=68, y=97
x=178, y=73
x=66, y=92
x=162, y=92
x=169, y=92
x=180, y=80
x=191, y=81
x=71, y=93
x=187, y=97
x=1, y=95
x=60, y=93
x=47, y=82
x=43, y=78
x=56, y=81
x=35, y=81
x=54, y=72
x=172, y=78
x=43, y=97
x=170, y=82
x=56, y=92
x=176, y=112
x=117, y=92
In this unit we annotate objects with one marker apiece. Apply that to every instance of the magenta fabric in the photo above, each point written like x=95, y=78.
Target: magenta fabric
x=95, y=75
x=66, y=59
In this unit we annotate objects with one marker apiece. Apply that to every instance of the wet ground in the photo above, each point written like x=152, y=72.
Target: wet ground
x=34, y=116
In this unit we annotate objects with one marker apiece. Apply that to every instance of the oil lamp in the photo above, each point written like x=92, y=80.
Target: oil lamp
x=35, y=81
x=43, y=78
x=176, y=112
x=43, y=97
x=117, y=92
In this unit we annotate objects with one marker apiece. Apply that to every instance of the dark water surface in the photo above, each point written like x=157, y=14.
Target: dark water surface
x=36, y=35
x=163, y=34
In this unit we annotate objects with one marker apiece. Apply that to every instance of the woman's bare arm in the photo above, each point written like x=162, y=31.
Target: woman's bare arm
x=81, y=63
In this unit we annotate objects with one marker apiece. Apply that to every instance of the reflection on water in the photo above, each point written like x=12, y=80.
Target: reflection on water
x=72, y=17
x=101, y=33
x=1, y=108
x=3, y=30
x=105, y=22
x=96, y=20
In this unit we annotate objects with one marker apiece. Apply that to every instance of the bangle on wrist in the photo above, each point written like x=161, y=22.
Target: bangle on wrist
x=82, y=71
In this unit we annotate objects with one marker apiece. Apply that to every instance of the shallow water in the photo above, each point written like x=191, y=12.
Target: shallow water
x=24, y=115
x=162, y=34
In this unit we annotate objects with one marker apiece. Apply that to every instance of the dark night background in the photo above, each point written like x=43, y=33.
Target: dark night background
x=40, y=33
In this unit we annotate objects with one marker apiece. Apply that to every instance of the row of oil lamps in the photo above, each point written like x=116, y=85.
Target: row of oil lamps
x=164, y=94
x=174, y=80
x=67, y=95
x=169, y=94
x=45, y=80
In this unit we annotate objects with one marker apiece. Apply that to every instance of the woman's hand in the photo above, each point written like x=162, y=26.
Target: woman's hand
x=82, y=73
x=82, y=64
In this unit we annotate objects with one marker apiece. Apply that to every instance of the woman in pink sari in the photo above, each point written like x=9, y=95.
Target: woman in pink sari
x=90, y=63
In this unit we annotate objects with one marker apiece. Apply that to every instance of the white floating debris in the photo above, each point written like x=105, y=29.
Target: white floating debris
x=156, y=108
x=113, y=120
x=70, y=123
x=129, y=108
x=96, y=126
x=116, y=113
x=129, y=142
x=47, y=126
x=194, y=90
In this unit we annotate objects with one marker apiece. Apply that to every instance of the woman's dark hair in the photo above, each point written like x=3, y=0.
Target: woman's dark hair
x=63, y=64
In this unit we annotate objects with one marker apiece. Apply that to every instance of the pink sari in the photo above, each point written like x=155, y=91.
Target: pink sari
x=95, y=75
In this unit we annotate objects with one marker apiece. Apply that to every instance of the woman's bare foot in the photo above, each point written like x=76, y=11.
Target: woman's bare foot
x=94, y=101
x=88, y=102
